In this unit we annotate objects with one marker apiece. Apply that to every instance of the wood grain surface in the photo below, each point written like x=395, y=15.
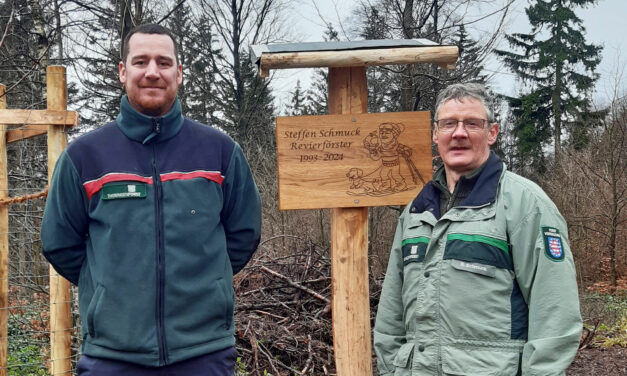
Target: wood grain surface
x=352, y=160
x=445, y=56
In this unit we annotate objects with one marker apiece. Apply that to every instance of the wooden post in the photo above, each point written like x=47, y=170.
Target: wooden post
x=60, y=297
x=4, y=242
x=348, y=94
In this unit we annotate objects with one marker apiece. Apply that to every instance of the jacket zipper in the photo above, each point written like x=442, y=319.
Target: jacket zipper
x=156, y=178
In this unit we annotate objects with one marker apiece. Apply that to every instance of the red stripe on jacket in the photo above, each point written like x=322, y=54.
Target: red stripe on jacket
x=209, y=175
x=94, y=186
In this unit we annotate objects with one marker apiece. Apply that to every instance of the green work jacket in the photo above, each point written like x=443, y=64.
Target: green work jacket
x=488, y=288
x=151, y=217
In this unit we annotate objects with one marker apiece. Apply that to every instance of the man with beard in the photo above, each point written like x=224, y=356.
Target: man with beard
x=151, y=216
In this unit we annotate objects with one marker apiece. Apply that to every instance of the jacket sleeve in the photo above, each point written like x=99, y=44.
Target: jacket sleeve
x=241, y=211
x=545, y=272
x=65, y=223
x=389, y=327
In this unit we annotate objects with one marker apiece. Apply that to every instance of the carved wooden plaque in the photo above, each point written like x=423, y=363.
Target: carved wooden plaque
x=333, y=161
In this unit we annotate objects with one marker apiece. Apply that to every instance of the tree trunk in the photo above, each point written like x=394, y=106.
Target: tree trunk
x=59, y=34
x=237, y=69
x=557, y=109
x=42, y=42
x=127, y=20
x=614, y=209
x=408, y=87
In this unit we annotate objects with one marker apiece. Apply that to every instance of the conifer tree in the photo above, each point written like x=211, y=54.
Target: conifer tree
x=555, y=61
x=298, y=103
x=381, y=95
x=97, y=67
x=470, y=64
x=199, y=75
x=239, y=24
x=179, y=23
x=317, y=94
x=258, y=109
x=414, y=87
x=19, y=58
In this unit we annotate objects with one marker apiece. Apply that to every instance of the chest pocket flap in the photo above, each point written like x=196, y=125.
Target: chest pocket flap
x=416, y=236
x=478, y=249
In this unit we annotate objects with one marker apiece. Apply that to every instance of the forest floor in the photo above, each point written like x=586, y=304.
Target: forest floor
x=283, y=319
x=604, y=341
x=610, y=361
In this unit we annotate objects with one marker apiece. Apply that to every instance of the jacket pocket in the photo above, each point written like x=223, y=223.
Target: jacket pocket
x=402, y=361
x=476, y=284
x=229, y=302
x=482, y=358
x=93, y=307
x=478, y=249
x=473, y=267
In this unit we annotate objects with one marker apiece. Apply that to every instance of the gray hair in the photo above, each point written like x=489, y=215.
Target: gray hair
x=466, y=90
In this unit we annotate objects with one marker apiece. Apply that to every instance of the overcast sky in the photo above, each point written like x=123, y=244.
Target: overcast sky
x=605, y=24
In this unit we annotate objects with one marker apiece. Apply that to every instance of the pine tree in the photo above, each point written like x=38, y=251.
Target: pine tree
x=530, y=118
x=382, y=96
x=414, y=87
x=471, y=56
x=298, y=103
x=98, y=66
x=19, y=58
x=256, y=116
x=317, y=95
x=239, y=24
x=559, y=68
x=180, y=24
x=199, y=75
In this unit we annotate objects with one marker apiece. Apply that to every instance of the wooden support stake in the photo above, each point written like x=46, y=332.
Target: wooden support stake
x=38, y=117
x=349, y=247
x=4, y=242
x=24, y=132
x=60, y=301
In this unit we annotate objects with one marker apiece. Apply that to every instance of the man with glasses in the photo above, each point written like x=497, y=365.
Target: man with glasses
x=481, y=279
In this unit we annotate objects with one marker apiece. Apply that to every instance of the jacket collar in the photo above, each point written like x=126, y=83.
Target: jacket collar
x=147, y=129
x=484, y=190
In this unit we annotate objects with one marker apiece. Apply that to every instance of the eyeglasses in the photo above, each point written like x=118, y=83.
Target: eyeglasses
x=471, y=125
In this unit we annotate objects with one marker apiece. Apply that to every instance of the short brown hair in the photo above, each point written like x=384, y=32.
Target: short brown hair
x=149, y=29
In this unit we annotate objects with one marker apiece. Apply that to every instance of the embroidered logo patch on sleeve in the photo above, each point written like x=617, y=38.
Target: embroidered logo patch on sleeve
x=553, y=247
x=124, y=190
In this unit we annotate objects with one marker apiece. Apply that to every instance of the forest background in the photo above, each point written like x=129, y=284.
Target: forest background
x=554, y=130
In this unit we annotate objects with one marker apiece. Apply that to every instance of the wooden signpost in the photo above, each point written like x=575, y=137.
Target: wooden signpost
x=352, y=160
x=349, y=160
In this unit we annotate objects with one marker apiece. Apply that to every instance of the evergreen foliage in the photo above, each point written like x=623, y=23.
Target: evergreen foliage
x=298, y=103
x=97, y=67
x=256, y=116
x=558, y=67
x=318, y=98
x=19, y=57
x=317, y=95
x=415, y=87
x=197, y=93
x=243, y=100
